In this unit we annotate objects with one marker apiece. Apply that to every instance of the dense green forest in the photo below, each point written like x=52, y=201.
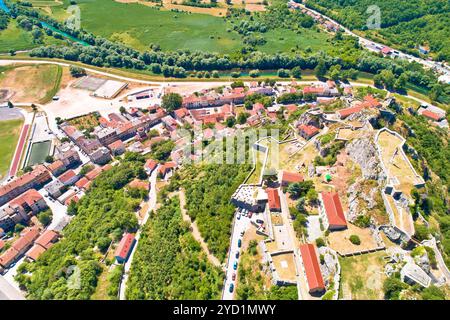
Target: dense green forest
x=101, y=216
x=208, y=192
x=169, y=263
x=409, y=23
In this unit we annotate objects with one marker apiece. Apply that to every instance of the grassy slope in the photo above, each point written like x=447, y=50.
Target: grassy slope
x=9, y=135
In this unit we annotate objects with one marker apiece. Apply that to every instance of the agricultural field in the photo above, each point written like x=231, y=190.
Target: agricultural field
x=362, y=276
x=31, y=83
x=9, y=135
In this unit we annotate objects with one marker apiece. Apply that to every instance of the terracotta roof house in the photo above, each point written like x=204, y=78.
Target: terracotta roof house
x=73, y=198
x=311, y=269
x=81, y=184
x=69, y=178
x=290, y=177
x=26, y=240
x=139, y=184
x=344, y=113
x=94, y=173
x=331, y=211
x=34, y=179
x=57, y=167
x=8, y=257
x=35, y=252
x=166, y=168
x=273, y=199
x=124, y=248
x=432, y=115
x=371, y=102
x=150, y=165
x=117, y=147
x=47, y=239
x=307, y=131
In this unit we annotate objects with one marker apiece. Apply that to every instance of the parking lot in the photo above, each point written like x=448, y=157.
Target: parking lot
x=241, y=223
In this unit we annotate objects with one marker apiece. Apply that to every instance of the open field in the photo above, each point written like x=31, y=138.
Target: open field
x=362, y=276
x=39, y=150
x=31, y=83
x=339, y=240
x=283, y=40
x=139, y=26
x=285, y=266
x=9, y=135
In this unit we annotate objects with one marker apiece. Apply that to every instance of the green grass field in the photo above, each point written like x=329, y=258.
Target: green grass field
x=138, y=26
x=15, y=38
x=39, y=151
x=283, y=40
x=9, y=135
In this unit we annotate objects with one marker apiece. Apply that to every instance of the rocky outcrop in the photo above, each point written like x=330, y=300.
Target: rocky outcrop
x=363, y=152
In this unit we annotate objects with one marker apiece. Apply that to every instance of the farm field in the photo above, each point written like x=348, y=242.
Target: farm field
x=362, y=276
x=9, y=135
x=31, y=83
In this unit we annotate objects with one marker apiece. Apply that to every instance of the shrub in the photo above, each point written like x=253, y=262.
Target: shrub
x=355, y=239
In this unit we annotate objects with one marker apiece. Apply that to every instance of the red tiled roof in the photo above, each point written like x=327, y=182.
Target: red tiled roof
x=309, y=130
x=314, y=90
x=116, y=145
x=82, y=182
x=26, y=238
x=291, y=177
x=91, y=175
x=333, y=209
x=47, y=238
x=124, y=246
x=71, y=199
x=150, y=164
x=370, y=101
x=29, y=197
x=66, y=176
x=181, y=113
x=58, y=164
x=348, y=111
x=274, y=199
x=25, y=179
x=139, y=184
x=35, y=252
x=431, y=115
x=8, y=257
x=312, y=268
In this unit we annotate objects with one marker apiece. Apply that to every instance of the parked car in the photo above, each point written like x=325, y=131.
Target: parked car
x=237, y=254
x=250, y=214
x=259, y=221
x=239, y=243
x=239, y=216
x=242, y=233
x=235, y=265
x=233, y=277
x=231, y=287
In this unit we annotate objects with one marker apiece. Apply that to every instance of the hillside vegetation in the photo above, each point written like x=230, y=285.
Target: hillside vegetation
x=169, y=263
x=100, y=217
x=405, y=23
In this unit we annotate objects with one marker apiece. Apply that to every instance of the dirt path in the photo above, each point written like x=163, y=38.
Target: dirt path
x=196, y=232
